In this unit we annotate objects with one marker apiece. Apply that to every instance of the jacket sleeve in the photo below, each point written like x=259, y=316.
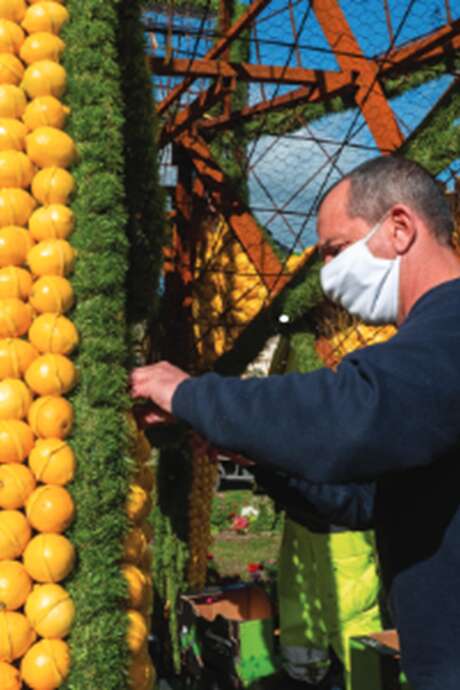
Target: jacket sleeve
x=388, y=408
x=320, y=506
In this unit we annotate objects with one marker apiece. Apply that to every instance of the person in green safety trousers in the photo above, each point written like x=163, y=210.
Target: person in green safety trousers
x=328, y=583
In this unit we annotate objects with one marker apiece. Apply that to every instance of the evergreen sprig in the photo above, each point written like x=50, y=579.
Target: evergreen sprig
x=100, y=439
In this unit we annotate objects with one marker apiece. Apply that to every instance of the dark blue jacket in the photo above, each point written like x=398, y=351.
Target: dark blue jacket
x=390, y=414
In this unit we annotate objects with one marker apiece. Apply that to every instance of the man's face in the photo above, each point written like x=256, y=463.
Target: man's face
x=337, y=230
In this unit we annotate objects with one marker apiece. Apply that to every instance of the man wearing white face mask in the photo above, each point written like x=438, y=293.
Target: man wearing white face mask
x=388, y=419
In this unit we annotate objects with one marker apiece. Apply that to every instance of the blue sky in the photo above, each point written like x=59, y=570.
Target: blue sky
x=288, y=172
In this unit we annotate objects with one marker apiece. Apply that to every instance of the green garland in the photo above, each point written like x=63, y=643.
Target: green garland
x=98, y=647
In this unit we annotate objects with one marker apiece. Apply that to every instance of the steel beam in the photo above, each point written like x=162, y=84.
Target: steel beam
x=234, y=31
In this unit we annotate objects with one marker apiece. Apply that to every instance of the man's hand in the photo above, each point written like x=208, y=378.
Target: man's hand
x=157, y=383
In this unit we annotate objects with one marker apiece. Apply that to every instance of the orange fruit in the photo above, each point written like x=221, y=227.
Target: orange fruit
x=50, y=508
x=43, y=78
x=15, y=585
x=143, y=450
x=53, y=186
x=137, y=585
x=49, y=146
x=9, y=677
x=11, y=36
x=138, y=503
x=15, y=243
x=16, y=635
x=137, y=632
x=41, y=45
x=45, y=111
x=12, y=100
x=15, y=534
x=52, y=294
x=51, y=257
x=146, y=561
x=45, y=16
x=142, y=674
x=15, y=317
x=16, y=440
x=14, y=10
x=12, y=133
x=46, y=665
x=11, y=69
x=16, y=484
x=50, y=610
x=49, y=557
x=53, y=333
x=51, y=374
x=16, y=205
x=52, y=461
x=16, y=169
x=55, y=221
x=51, y=416
x=134, y=545
x=15, y=283
x=16, y=356
x=15, y=399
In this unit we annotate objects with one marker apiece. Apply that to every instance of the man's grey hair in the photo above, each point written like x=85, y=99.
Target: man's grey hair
x=380, y=183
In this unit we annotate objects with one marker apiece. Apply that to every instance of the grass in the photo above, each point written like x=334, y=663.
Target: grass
x=232, y=552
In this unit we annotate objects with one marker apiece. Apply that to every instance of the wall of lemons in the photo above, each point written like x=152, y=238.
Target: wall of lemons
x=74, y=469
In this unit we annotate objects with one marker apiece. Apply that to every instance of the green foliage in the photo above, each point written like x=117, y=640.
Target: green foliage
x=228, y=504
x=144, y=196
x=100, y=438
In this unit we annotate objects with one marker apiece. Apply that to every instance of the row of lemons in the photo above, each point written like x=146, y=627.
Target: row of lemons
x=36, y=371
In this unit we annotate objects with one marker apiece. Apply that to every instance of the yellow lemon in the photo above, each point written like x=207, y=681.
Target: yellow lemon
x=16, y=635
x=143, y=449
x=49, y=557
x=16, y=484
x=51, y=416
x=134, y=545
x=50, y=610
x=16, y=169
x=9, y=677
x=46, y=665
x=15, y=244
x=15, y=282
x=15, y=399
x=45, y=16
x=16, y=206
x=12, y=101
x=44, y=78
x=15, y=534
x=15, y=318
x=138, y=503
x=51, y=374
x=12, y=134
x=50, y=508
x=53, y=333
x=49, y=146
x=142, y=674
x=53, y=186
x=11, y=36
x=52, y=294
x=16, y=356
x=137, y=631
x=16, y=440
x=52, y=461
x=45, y=111
x=145, y=477
x=14, y=10
x=42, y=45
x=11, y=69
x=137, y=584
x=55, y=221
x=51, y=257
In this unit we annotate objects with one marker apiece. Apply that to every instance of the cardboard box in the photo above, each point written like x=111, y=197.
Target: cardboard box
x=227, y=636
x=375, y=662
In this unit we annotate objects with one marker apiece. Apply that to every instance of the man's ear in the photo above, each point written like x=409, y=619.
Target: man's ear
x=404, y=227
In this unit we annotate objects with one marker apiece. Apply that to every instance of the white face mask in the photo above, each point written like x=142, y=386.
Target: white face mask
x=365, y=285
